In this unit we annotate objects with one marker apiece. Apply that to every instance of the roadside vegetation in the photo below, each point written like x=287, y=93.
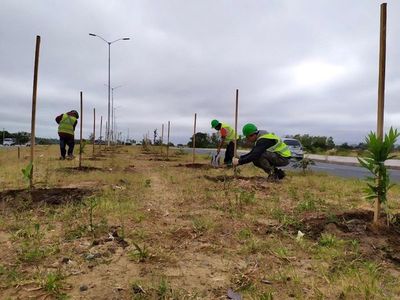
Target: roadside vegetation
x=133, y=225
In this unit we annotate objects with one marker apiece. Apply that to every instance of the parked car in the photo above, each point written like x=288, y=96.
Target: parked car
x=8, y=142
x=295, y=147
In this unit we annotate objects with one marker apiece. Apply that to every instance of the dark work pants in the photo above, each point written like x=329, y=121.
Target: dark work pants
x=230, y=148
x=64, y=141
x=269, y=160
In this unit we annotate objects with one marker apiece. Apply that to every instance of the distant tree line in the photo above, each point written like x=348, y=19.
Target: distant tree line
x=205, y=140
x=23, y=137
x=315, y=143
x=311, y=144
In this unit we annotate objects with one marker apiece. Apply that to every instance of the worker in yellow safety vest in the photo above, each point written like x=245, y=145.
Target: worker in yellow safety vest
x=268, y=153
x=227, y=134
x=66, y=128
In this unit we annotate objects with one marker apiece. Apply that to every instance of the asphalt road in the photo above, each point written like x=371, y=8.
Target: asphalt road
x=340, y=170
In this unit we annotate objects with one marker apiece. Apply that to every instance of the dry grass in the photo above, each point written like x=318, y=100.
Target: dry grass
x=155, y=230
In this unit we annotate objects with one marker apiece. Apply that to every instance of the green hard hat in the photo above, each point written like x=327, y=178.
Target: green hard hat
x=249, y=129
x=214, y=123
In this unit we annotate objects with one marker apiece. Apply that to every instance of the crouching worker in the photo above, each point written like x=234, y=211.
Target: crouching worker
x=66, y=128
x=268, y=153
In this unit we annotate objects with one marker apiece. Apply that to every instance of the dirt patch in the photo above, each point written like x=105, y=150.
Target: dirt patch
x=95, y=158
x=162, y=159
x=26, y=199
x=195, y=166
x=222, y=178
x=376, y=240
x=82, y=169
x=129, y=168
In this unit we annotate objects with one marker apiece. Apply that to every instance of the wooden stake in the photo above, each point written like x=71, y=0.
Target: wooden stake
x=236, y=119
x=19, y=153
x=194, y=138
x=80, y=144
x=101, y=128
x=33, y=119
x=162, y=137
x=381, y=92
x=169, y=125
x=105, y=144
x=94, y=128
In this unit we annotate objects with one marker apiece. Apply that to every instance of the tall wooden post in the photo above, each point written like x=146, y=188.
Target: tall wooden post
x=34, y=93
x=381, y=91
x=169, y=125
x=101, y=128
x=94, y=128
x=19, y=152
x=80, y=144
x=194, y=138
x=105, y=133
x=236, y=119
x=162, y=137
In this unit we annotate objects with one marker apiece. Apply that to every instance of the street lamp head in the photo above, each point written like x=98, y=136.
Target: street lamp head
x=92, y=34
x=126, y=39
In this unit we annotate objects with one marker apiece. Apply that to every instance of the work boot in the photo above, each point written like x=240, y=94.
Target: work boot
x=280, y=174
x=272, y=177
x=228, y=164
x=70, y=157
x=62, y=157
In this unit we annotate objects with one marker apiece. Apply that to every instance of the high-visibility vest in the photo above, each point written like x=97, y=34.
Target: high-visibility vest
x=231, y=132
x=280, y=147
x=67, y=124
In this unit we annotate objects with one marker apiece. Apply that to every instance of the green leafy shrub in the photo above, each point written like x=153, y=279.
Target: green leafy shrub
x=378, y=151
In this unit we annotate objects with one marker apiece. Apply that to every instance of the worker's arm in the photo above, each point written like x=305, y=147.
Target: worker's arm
x=223, y=133
x=261, y=146
x=58, y=118
x=76, y=122
x=220, y=144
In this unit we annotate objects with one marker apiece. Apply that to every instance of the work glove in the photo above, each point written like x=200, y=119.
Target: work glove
x=235, y=161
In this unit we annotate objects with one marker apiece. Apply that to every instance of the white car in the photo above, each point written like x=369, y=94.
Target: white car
x=8, y=142
x=295, y=147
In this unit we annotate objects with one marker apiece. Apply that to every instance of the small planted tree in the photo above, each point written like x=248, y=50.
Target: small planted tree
x=378, y=151
x=27, y=172
x=304, y=164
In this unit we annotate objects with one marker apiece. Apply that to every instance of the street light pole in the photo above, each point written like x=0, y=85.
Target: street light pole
x=109, y=78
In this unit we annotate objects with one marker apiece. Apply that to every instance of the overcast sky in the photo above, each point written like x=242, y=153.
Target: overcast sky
x=301, y=66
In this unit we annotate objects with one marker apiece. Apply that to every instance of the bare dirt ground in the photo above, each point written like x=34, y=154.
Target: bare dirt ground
x=148, y=228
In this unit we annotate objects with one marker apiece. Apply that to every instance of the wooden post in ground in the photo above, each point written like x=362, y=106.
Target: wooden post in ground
x=194, y=138
x=19, y=153
x=33, y=119
x=94, y=128
x=101, y=128
x=80, y=144
x=162, y=137
x=381, y=92
x=169, y=125
x=236, y=119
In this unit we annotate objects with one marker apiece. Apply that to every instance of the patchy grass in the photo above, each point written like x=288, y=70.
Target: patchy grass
x=151, y=230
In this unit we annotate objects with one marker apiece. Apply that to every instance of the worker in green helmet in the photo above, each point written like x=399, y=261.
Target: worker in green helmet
x=228, y=135
x=66, y=128
x=268, y=153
